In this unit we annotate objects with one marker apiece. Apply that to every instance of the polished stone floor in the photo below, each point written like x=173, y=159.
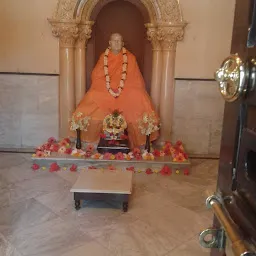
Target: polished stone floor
x=166, y=214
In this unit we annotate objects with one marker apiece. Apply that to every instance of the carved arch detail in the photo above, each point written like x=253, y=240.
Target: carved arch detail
x=81, y=10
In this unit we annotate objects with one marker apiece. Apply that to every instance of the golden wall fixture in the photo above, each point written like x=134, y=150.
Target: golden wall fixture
x=72, y=23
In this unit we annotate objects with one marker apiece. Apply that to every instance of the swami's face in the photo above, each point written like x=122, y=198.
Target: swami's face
x=116, y=43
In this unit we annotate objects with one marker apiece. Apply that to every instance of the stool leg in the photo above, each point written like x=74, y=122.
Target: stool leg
x=125, y=206
x=77, y=204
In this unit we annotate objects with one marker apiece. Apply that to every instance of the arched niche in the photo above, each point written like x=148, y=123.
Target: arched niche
x=73, y=23
x=129, y=20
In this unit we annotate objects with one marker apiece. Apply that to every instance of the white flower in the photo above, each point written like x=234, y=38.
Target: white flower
x=131, y=155
x=123, y=76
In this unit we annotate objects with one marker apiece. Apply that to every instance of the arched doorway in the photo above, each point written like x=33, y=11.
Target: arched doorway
x=125, y=18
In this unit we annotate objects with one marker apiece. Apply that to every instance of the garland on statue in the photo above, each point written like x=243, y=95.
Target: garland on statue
x=116, y=92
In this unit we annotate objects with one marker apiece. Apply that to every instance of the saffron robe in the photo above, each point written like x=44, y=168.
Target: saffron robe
x=133, y=101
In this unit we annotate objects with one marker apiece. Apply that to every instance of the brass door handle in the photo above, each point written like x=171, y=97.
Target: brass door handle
x=239, y=247
x=235, y=77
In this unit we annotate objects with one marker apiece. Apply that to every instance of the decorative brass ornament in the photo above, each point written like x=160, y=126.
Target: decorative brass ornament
x=235, y=77
x=231, y=78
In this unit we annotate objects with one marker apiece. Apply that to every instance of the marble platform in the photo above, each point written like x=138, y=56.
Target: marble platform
x=68, y=160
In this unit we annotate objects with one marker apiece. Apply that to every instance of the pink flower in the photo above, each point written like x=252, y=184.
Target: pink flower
x=162, y=153
x=89, y=148
x=88, y=154
x=46, y=146
x=149, y=171
x=68, y=151
x=107, y=156
x=40, y=148
x=168, y=144
x=167, y=151
x=39, y=153
x=54, y=148
x=156, y=153
x=73, y=168
x=186, y=172
x=103, y=136
x=112, y=168
x=54, y=167
x=51, y=140
x=119, y=156
x=130, y=169
x=185, y=155
x=178, y=143
x=136, y=151
x=138, y=157
x=166, y=171
x=63, y=143
x=67, y=140
x=35, y=167
x=92, y=168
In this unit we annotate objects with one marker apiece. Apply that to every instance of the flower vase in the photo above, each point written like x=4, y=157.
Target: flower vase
x=78, y=139
x=147, y=145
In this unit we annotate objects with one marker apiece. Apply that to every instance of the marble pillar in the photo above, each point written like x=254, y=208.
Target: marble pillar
x=168, y=35
x=156, y=65
x=80, y=60
x=67, y=33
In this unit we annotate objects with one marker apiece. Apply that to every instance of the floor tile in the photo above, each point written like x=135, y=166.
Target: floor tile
x=13, y=193
x=53, y=238
x=6, y=249
x=176, y=221
x=91, y=248
x=18, y=173
x=45, y=183
x=191, y=248
x=10, y=159
x=23, y=215
x=137, y=238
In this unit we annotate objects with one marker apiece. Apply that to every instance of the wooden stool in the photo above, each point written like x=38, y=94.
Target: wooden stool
x=103, y=185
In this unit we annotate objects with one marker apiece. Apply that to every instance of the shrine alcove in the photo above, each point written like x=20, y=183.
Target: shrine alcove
x=128, y=19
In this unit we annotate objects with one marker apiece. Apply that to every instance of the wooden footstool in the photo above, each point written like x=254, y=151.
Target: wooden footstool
x=103, y=185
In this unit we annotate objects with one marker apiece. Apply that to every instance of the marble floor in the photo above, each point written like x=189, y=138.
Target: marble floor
x=165, y=214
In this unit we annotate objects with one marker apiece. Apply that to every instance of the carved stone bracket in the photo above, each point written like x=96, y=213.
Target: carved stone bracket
x=165, y=36
x=170, y=35
x=66, y=31
x=152, y=36
x=84, y=33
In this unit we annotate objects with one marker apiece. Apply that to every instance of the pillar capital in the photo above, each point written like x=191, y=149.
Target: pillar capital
x=152, y=36
x=66, y=31
x=84, y=33
x=169, y=35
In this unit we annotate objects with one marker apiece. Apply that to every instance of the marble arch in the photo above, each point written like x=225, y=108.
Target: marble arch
x=72, y=23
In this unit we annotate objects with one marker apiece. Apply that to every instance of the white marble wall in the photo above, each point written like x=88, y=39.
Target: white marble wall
x=28, y=110
x=198, y=116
